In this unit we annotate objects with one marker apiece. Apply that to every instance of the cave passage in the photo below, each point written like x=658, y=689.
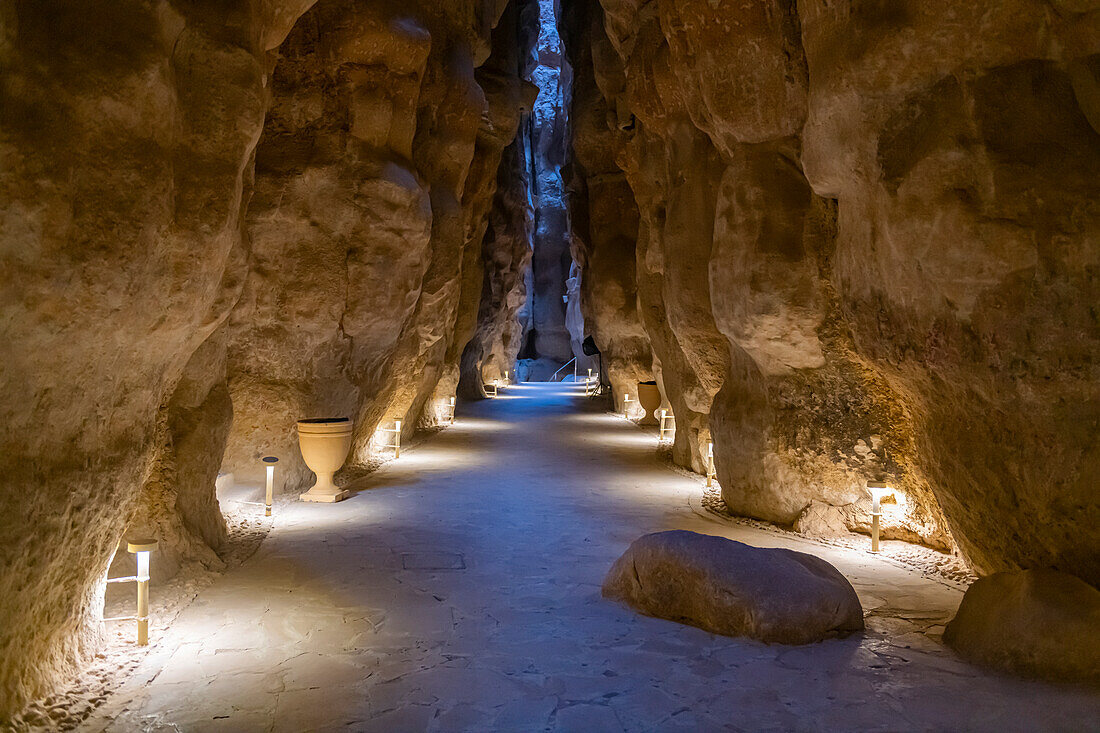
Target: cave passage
x=844, y=257
x=554, y=326
x=459, y=589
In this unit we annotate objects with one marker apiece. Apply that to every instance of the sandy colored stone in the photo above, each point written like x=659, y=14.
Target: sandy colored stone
x=723, y=586
x=139, y=144
x=493, y=349
x=126, y=135
x=885, y=221
x=1037, y=623
x=966, y=251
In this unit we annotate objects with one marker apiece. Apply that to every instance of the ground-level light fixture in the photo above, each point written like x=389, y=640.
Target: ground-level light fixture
x=141, y=549
x=664, y=429
x=396, y=430
x=878, y=491
x=451, y=407
x=269, y=464
x=626, y=405
x=711, y=474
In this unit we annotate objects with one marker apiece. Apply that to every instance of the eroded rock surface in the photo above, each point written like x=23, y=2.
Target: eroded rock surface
x=372, y=198
x=1039, y=623
x=507, y=256
x=730, y=588
x=200, y=231
x=126, y=133
x=865, y=243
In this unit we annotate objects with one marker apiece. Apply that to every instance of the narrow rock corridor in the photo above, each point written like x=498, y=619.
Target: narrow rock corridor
x=459, y=589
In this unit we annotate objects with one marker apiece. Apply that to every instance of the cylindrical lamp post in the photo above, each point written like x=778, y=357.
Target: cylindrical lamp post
x=142, y=548
x=452, y=406
x=710, y=463
x=396, y=438
x=878, y=490
x=269, y=464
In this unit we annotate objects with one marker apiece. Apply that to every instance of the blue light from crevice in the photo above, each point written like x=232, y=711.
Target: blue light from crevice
x=549, y=111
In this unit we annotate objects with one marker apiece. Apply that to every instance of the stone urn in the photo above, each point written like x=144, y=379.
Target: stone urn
x=649, y=397
x=325, y=442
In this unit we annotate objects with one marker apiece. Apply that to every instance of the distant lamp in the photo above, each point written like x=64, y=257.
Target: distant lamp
x=452, y=409
x=269, y=462
x=141, y=549
x=626, y=405
x=711, y=475
x=878, y=491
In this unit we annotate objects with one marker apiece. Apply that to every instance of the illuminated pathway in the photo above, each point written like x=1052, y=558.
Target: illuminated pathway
x=460, y=590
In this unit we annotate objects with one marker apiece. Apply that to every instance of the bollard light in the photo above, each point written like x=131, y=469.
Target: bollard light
x=710, y=463
x=666, y=416
x=452, y=406
x=270, y=462
x=141, y=549
x=878, y=490
x=396, y=438
x=626, y=406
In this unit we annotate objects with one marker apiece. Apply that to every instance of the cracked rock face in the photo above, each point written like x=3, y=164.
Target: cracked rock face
x=866, y=249
x=339, y=227
x=507, y=256
x=850, y=241
x=366, y=226
x=218, y=220
x=125, y=135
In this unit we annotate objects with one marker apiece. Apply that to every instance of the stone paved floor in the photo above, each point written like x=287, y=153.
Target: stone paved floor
x=460, y=590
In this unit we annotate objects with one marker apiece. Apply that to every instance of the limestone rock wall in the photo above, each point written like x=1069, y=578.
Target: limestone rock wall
x=155, y=294
x=547, y=131
x=506, y=252
x=967, y=253
x=374, y=179
x=866, y=238
x=126, y=130
x=603, y=213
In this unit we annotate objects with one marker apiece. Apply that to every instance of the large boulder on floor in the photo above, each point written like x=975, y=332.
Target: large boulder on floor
x=731, y=588
x=1038, y=623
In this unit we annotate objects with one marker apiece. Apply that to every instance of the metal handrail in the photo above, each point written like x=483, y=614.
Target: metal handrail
x=563, y=366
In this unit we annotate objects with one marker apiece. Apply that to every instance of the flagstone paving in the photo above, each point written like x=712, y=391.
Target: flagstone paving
x=459, y=589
